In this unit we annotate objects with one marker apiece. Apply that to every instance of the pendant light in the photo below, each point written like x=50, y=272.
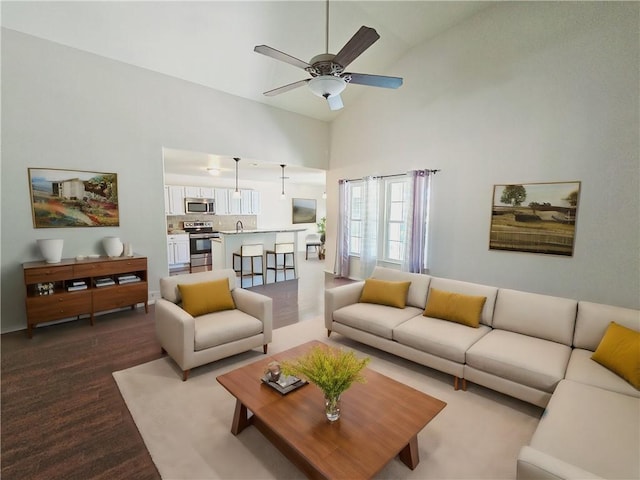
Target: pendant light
x=282, y=195
x=236, y=193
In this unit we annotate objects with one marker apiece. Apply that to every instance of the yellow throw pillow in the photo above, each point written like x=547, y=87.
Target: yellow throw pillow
x=393, y=294
x=206, y=297
x=455, y=307
x=619, y=351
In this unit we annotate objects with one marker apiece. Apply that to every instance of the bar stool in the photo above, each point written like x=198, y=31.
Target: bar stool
x=288, y=253
x=312, y=241
x=252, y=252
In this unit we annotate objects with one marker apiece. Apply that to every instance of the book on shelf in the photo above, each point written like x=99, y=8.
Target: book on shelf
x=76, y=283
x=128, y=277
x=74, y=288
x=104, y=281
x=128, y=280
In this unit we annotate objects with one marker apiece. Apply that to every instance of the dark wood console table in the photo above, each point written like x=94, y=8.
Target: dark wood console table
x=76, y=287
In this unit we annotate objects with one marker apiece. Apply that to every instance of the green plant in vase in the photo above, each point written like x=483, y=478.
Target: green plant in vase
x=322, y=228
x=332, y=370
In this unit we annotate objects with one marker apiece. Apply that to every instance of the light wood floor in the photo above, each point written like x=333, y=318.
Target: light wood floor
x=62, y=414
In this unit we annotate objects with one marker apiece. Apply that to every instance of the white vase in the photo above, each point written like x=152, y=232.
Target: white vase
x=51, y=249
x=113, y=246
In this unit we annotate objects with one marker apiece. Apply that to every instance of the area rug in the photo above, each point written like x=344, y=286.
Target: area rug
x=186, y=425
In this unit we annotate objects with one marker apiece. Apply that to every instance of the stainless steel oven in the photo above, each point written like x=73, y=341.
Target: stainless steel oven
x=200, y=235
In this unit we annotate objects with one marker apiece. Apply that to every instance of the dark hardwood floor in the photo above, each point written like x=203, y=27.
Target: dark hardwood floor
x=62, y=414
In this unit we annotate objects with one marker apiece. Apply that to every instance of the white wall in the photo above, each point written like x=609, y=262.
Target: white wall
x=523, y=92
x=63, y=108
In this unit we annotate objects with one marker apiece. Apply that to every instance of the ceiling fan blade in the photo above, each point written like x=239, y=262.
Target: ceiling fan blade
x=372, y=80
x=363, y=39
x=286, y=88
x=278, y=55
x=335, y=102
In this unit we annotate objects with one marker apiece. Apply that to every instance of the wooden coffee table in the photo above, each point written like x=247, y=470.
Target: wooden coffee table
x=379, y=420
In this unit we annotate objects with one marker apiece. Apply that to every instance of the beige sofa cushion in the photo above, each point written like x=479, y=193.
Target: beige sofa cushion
x=417, y=294
x=223, y=327
x=467, y=288
x=439, y=337
x=594, y=429
x=377, y=319
x=594, y=318
x=530, y=361
x=541, y=316
x=583, y=369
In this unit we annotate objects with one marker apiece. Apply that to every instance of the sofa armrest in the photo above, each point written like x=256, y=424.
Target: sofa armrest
x=534, y=465
x=258, y=306
x=338, y=297
x=175, y=330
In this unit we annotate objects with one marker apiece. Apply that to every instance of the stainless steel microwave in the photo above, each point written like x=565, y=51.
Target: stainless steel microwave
x=201, y=206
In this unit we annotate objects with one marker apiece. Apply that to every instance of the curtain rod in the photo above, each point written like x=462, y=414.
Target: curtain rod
x=386, y=176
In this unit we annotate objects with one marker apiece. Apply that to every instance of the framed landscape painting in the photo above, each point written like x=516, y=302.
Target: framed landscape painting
x=73, y=198
x=303, y=210
x=535, y=217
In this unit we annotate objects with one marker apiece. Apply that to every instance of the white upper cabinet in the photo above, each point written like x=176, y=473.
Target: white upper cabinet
x=250, y=202
x=247, y=204
x=199, y=192
x=174, y=200
x=221, y=196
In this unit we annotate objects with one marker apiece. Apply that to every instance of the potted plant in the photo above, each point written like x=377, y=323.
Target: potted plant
x=322, y=228
x=333, y=371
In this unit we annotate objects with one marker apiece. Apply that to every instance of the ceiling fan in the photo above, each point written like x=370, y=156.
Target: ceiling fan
x=327, y=70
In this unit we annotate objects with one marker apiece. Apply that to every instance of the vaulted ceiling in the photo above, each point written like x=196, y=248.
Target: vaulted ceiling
x=211, y=43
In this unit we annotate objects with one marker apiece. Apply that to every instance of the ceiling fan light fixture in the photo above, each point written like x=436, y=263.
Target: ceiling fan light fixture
x=327, y=85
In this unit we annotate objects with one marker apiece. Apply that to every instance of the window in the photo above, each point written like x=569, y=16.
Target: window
x=393, y=208
x=355, y=240
x=395, y=220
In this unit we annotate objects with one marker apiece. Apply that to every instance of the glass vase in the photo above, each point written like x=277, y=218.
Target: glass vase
x=332, y=408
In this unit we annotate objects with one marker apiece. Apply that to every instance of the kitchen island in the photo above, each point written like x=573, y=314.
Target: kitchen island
x=230, y=241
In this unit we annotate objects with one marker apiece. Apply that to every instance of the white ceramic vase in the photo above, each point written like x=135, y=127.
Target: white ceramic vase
x=51, y=249
x=113, y=246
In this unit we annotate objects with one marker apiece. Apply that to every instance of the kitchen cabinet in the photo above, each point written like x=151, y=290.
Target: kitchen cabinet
x=178, y=249
x=226, y=204
x=221, y=196
x=250, y=202
x=174, y=200
x=198, y=192
x=77, y=287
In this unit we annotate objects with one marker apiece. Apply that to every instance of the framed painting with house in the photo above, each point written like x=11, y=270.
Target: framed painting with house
x=73, y=198
x=535, y=217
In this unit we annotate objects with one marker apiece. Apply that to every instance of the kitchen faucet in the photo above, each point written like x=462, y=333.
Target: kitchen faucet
x=239, y=226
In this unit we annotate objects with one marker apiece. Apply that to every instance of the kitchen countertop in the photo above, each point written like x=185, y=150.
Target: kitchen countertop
x=265, y=230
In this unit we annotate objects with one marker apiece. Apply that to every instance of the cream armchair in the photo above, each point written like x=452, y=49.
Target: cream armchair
x=194, y=341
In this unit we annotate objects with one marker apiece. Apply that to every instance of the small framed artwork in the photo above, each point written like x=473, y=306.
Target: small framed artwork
x=73, y=198
x=535, y=217
x=303, y=210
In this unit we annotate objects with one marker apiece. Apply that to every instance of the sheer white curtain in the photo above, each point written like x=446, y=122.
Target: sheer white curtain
x=416, y=238
x=370, y=213
x=341, y=266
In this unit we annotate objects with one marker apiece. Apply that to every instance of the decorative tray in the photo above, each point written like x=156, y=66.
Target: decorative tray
x=286, y=383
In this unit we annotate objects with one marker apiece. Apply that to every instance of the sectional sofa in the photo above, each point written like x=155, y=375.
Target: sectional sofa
x=533, y=347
